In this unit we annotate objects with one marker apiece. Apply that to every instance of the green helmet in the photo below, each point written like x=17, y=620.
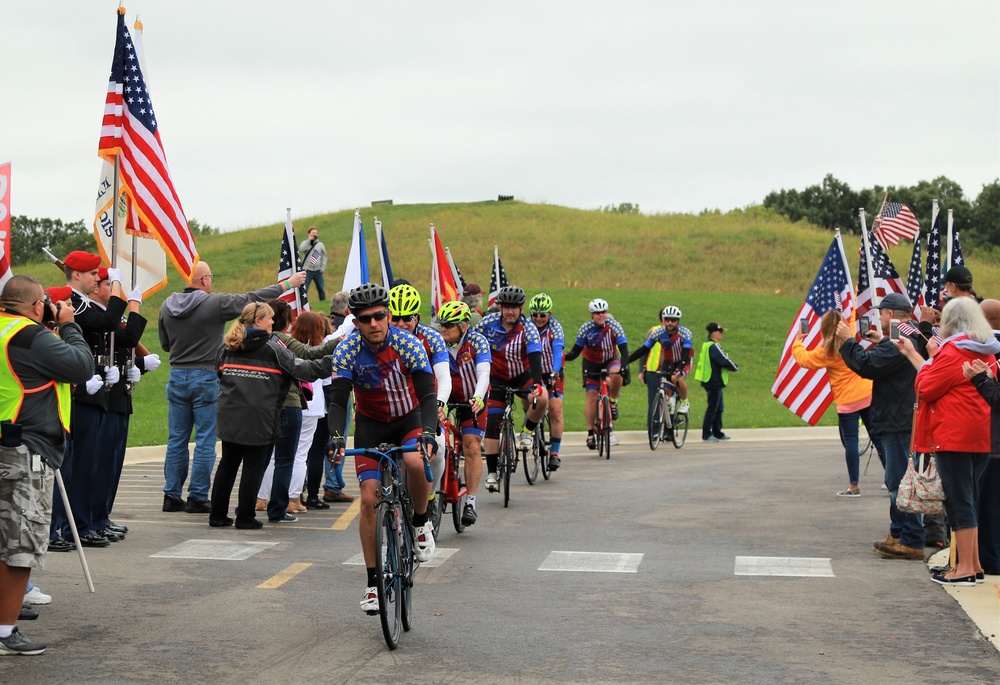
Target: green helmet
x=404, y=300
x=540, y=304
x=455, y=311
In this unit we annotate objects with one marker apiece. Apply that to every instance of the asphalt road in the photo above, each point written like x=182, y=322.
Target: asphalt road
x=488, y=613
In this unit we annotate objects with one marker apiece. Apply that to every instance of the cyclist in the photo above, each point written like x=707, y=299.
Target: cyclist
x=394, y=397
x=553, y=344
x=469, y=358
x=603, y=344
x=404, y=308
x=666, y=352
x=516, y=362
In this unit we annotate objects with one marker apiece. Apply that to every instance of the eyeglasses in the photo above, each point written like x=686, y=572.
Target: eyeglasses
x=539, y=315
x=376, y=316
x=407, y=319
x=448, y=324
x=208, y=276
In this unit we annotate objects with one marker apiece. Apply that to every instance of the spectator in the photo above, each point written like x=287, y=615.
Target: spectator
x=851, y=393
x=472, y=295
x=313, y=254
x=713, y=372
x=190, y=328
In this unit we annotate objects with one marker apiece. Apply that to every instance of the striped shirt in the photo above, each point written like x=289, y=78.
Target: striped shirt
x=600, y=343
x=509, y=349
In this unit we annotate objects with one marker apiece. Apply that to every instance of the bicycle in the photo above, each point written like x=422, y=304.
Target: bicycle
x=451, y=490
x=543, y=431
x=666, y=419
x=603, y=422
x=394, y=539
x=508, y=458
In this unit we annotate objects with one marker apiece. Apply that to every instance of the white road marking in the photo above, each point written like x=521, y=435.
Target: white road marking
x=213, y=549
x=783, y=566
x=441, y=555
x=593, y=562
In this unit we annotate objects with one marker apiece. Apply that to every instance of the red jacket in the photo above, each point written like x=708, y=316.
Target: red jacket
x=952, y=416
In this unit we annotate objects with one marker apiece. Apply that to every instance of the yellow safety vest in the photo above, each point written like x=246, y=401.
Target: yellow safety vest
x=704, y=371
x=12, y=392
x=653, y=360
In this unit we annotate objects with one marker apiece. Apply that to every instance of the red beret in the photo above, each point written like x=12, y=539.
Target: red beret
x=102, y=273
x=78, y=260
x=59, y=293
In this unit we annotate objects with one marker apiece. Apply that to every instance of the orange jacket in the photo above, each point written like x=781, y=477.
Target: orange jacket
x=847, y=386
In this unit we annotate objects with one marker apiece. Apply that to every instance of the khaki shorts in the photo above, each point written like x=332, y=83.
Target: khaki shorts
x=25, y=508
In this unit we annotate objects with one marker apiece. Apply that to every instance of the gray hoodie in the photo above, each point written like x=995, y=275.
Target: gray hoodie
x=193, y=323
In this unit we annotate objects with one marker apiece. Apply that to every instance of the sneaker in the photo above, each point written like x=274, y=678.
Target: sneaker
x=614, y=411
x=18, y=643
x=884, y=486
x=901, y=551
x=469, y=515
x=980, y=577
x=554, y=462
x=316, y=503
x=723, y=437
x=172, y=503
x=849, y=493
x=36, y=596
x=710, y=438
x=591, y=442
x=424, y=549
x=524, y=440
x=27, y=613
x=492, y=484
x=369, y=602
x=614, y=440
x=287, y=518
x=684, y=407
x=962, y=581
x=198, y=506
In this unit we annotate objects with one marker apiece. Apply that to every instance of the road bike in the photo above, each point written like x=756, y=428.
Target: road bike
x=394, y=539
x=451, y=490
x=508, y=457
x=603, y=423
x=543, y=431
x=666, y=420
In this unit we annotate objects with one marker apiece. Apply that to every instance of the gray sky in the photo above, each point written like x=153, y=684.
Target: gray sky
x=676, y=106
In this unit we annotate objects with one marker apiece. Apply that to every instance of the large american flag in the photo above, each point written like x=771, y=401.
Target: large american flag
x=956, y=251
x=886, y=279
x=806, y=392
x=932, y=272
x=288, y=265
x=915, y=280
x=498, y=279
x=896, y=221
x=129, y=130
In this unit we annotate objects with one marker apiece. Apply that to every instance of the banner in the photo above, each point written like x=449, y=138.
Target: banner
x=5, y=272
x=443, y=286
x=356, y=272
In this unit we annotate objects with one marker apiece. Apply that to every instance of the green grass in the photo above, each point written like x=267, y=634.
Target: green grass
x=747, y=270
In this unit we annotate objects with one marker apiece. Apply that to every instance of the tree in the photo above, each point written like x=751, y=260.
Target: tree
x=985, y=220
x=28, y=236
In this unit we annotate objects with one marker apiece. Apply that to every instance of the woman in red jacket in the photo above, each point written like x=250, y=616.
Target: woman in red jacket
x=953, y=422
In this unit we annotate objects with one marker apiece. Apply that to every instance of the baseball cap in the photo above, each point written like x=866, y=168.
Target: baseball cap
x=895, y=301
x=713, y=327
x=959, y=275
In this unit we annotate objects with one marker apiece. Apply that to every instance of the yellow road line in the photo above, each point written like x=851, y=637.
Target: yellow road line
x=345, y=519
x=279, y=579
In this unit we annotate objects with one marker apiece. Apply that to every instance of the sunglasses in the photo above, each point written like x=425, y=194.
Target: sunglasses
x=374, y=316
x=406, y=319
x=672, y=320
x=448, y=325
x=542, y=315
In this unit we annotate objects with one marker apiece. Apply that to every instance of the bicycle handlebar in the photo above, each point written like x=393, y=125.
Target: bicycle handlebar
x=385, y=452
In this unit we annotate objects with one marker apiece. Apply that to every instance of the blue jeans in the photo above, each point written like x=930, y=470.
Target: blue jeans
x=284, y=460
x=961, y=478
x=909, y=528
x=712, y=425
x=316, y=276
x=335, y=474
x=192, y=395
x=849, y=429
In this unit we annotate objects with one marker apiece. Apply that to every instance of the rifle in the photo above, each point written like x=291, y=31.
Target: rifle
x=55, y=260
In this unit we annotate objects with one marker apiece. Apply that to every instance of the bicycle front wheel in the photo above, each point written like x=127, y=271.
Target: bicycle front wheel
x=656, y=423
x=387, y=568
x=508, y=458
x=680, y=429
x=604, y=432
x=532, y=461
x=541, y=433
x=407, y=566
x=435, y=508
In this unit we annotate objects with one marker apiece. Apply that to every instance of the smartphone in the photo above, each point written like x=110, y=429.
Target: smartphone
x=894, y=329
x=864, y=325
x=804, y=326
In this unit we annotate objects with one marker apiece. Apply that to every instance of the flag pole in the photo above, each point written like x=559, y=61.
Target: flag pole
x=295, y=255
x=868, y=256
x=116, y=189
x=951, y=237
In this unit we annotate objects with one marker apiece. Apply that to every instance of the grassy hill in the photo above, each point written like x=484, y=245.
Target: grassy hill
x=748, y=270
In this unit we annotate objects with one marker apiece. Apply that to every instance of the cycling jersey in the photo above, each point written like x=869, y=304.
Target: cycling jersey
x=672, y=346
x=553, y=345
x=434, y=345
x=464, y=359
x=510, y=350
x=600, y=343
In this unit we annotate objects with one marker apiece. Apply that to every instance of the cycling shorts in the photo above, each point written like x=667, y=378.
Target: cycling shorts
x=470, y=423
x=593, y=383
x=497, y=400
x=370, y=433
x=557, y=388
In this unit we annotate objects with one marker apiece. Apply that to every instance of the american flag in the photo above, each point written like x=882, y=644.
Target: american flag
x=896, y=221
x=129, y=130
x=498, y=279
x=956, y=251
x=886, y=279
x=289, y=265
x=806, y=392
x=915, y=280
x=932, y=273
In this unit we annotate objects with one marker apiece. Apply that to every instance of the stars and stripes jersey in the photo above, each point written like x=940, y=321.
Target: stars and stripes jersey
x=671, y=344
x=553, y=343
x=434, y=345
x=600, y=344
x=382, y=379
x=509, y=349
x=463, y=358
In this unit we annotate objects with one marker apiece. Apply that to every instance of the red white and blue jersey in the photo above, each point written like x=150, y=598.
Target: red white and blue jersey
x=600, y=343
x=382, y=379
x=671, y=344
x=463, y=359
x=553, y=345
x=509, y=349
x=434, y=345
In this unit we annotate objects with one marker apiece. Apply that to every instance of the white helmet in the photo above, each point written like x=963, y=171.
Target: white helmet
x=598, y=305
x=670, y=312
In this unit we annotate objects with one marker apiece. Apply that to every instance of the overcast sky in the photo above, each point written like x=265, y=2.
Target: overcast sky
x=675, y=105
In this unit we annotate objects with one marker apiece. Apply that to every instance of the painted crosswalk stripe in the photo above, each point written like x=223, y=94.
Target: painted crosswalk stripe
x=213, y=549
x=815, y=567
x=592, y=562
x=441, y=555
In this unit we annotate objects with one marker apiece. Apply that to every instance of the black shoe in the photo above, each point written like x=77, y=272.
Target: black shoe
x=94, y=540
x=110, y=535
x=314, y=503
x=61, y=545
x=172, y=503
x=287, y=518
x=250, y=524
x=18, y=643
x=27, y=613
x=591, y=442
x=614, y=411
x=116, y=527
x=220, y=523
x=554, y=462
x=469, y=515
x=198, y=506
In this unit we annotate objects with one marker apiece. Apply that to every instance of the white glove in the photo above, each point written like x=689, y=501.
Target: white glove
x=135, y=295
x=134, y=375
x=151, y=362
x=94, y=384
x=111, y=375
x=115, y=275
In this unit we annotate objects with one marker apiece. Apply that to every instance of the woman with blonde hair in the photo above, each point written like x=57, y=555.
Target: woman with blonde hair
x=255, y=373
x=852, y=394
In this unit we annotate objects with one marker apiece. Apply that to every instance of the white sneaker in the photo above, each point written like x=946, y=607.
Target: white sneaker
x=369, y=603
x=492, y=484
x=36, y=596
x=424, y=549
x=684, y=407
x=614, y=440
x=524, y=440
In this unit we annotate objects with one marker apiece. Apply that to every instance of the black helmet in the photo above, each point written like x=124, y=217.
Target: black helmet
x=511, y=295
x=367, y=295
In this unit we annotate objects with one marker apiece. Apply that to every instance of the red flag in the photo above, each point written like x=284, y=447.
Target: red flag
x=130, y=131
x=443, y=286
x=5, y=272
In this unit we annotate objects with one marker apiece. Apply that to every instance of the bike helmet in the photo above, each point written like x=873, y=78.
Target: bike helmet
x=404, y=300
x=511, y=295
x=598, y=305
x=540, y=304
x=367, y=295
x=454, y=312
x=670, y=312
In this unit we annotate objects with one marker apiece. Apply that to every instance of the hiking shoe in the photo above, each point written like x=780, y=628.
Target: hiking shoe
x=961, y=581
x=591, y=442
x=369, y=602
x=849, y=493
x=423, y=550
x=331, y=496
x=172, y=503
x=469, y=515
x=554, y=462
x=524, y=440
x=684, y=407
x=889, y=540
x=19, y=643
x=36, y=596
x=614, y=411
x=492, y=484
x=900, y=551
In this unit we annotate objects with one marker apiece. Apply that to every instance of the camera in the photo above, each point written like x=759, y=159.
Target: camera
x=894, y=330
x=48, y=315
